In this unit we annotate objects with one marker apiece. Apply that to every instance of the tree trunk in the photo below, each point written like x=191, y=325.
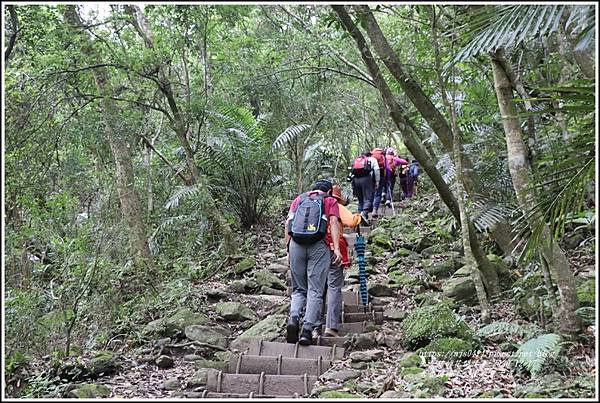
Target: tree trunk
x=399, y=117
x=558, y=264
x=490, y=276
x=428, y=110
x=121, y=149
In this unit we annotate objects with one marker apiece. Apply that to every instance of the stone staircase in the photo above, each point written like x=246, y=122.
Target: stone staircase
x=267, y=369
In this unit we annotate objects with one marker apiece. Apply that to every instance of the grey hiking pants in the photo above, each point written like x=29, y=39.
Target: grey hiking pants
x=309, y=266
x=364, y=188
x=335, y=281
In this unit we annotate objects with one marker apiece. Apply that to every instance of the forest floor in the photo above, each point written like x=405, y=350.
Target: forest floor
x=490, y=373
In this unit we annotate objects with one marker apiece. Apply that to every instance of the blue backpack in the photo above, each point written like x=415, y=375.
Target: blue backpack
x=413, y=170
x=309, y=222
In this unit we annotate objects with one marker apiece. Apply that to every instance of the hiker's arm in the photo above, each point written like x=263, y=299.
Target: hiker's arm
x=335, y=237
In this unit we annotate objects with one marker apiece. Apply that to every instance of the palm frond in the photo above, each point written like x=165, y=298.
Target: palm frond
x=506, y=26
x=181, y=193
x=154, y=240
x=446, y=166
x=534, y=353
x=508, y=328
x=289, y=134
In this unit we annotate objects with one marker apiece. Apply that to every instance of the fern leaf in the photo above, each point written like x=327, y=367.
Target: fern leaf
x=534, y=353
x=289, y=134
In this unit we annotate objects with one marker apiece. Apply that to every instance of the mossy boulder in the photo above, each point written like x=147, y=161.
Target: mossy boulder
x=429, y=322
x=423, y=243
x=200, y=378
x=428, y=298
x=103, y=363
x=244, y=265
x=218, y=365
x=381, y=290
x=235, y=311
x=381, y=239
x=460, y=288
x=404, y=279
x=265, y=278
x=586, y=293
x=424, y=385
x=410, y=359
x=450, y=349
x=444, y=268
x=432, y=250
x=530, y=305
x=176, y=323
x=89, y=391
x=335, y=394
x=267, y=329
x=214, y=335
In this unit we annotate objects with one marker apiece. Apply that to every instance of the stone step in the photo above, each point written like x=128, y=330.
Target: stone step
x=355, y=308
x=261, y=384
x=272, y=348
x=330, y=341
x=351, y=298
x=255, y=364
x=354, y=327
x=375, y=316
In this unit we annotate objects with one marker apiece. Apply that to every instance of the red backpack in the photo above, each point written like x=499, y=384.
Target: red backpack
x=377, y=153
x=361, y=166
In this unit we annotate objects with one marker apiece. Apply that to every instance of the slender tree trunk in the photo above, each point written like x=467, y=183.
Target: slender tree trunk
x=551, y=252
x=430, y=113
x=466, y=234
x=404, y=125
x=490, y=276
x=13, y=36
x=121, y=149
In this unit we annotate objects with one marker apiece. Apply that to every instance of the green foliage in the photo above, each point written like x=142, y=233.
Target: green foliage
x=508, y=329
x=534, y=353
x=430, y=322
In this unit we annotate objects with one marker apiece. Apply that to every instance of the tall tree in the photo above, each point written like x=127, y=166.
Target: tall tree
x=520, y=171
x=119, y=141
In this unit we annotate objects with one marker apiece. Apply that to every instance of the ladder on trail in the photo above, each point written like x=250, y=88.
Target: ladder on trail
x=267, y=369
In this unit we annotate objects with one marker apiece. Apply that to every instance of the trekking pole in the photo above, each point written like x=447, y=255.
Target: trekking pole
x=391, y=198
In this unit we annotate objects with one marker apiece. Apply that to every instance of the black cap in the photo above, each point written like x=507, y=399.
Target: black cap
x=323, y=185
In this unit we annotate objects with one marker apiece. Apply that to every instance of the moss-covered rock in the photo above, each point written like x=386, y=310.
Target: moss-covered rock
x=218, y=365
x=460, y=288
x=530, y=305
x=450, y=349
x=428, y=298
x=176, y=323
x=89, y=391
x=378, y=237
x=267, y=279
x=381, y=290
x=586, y=293
x=335, y=394
x=267, y=329
x=432, y=250
x=424, y=385
x=103, y=363
x=244, y=265
x=429, y=322
x=404, y=279
x=410, y=360
x=444, y=268
x=235, y=311
x=207, y=334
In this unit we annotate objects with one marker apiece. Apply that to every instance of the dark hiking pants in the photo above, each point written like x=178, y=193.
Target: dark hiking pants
x=364, y=189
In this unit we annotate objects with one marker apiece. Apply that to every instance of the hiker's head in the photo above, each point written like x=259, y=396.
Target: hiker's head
x=391, y=151
x=367, y=153
x=415, y=161
x=336, y=191
x=323, y=185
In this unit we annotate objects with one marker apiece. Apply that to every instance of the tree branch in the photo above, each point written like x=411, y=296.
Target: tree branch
x=13, y=37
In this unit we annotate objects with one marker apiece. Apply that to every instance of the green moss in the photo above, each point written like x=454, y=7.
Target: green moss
x=409, y=360
x=410, y=371
x=244, y=265
x=381, y=240
x=334, y=394
x=429, y=322
x=90, y=391
x=586, y=293
x=450, y=349
x=402, y=278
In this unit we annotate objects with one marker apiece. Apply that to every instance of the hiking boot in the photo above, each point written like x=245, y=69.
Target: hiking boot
x=331, y=333
x=316, y=332
x=305, y=337
x=388, y=204
x=364, y=218
x=292, y=330
x=375, y=215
